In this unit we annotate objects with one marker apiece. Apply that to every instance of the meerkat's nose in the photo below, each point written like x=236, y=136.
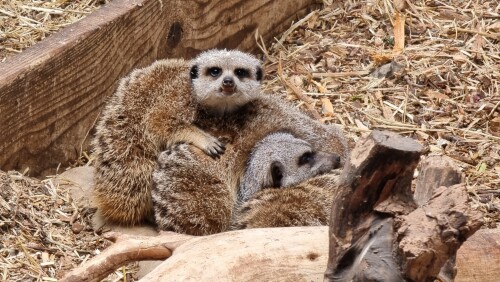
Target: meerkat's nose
x=228, y=82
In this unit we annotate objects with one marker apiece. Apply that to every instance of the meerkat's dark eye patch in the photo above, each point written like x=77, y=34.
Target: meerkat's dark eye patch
x=214, y=71
x=258, y=74
x=306, y=158
x=277, y=173
x=242, y=73
x=194, y=72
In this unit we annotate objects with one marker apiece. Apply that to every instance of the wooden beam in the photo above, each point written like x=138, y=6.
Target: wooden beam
x=52, y=93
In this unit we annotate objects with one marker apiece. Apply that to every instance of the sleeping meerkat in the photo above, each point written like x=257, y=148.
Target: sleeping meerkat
x=278, y=160
x=155, y=107
x=201, y=193
x=281, y=160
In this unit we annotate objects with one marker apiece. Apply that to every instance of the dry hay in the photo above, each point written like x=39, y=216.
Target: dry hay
x=25, y=22
x=431, y=72
x=43, y=233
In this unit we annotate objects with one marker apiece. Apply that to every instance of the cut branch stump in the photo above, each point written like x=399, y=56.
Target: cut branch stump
x=377, y=232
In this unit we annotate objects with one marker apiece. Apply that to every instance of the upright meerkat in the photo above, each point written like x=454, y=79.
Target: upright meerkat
x=156, y=107
x=278, y=160
x=281, y=160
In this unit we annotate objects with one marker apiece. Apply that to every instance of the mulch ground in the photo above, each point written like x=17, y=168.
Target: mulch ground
x=429, y=70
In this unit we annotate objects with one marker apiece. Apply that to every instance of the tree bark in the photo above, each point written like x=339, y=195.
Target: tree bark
x=377, y=232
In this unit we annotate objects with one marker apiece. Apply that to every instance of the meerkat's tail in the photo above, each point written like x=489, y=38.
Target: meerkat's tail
x=124, y=196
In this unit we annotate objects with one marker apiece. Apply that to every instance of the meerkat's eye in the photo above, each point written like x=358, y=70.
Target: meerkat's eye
x=277, y=174
x=241, y=73
x=258, y=74
x=306, y=158
x=214, y=71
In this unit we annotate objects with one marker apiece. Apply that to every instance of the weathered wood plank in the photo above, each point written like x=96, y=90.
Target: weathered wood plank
x=51, y=94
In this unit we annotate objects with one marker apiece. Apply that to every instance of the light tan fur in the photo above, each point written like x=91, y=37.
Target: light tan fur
x=207, y=202
x=305, y=204
x=154, y=108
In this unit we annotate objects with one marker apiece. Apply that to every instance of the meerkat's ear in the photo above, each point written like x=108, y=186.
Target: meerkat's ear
x=258, y=74
x=194, y=72
x=277, y=173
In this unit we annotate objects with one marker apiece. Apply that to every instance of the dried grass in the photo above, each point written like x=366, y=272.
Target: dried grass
x=429, y=70
x=25, y=22
x=43, y=232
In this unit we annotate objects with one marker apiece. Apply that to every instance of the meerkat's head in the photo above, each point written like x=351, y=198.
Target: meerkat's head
x=281, y=160
x=224, y=80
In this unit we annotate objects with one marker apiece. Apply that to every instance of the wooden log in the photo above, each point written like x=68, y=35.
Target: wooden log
x=269, y=254
x=377, y=233
x=280, y=254
x=51, y=94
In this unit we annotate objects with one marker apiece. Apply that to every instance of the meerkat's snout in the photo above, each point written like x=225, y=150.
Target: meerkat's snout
x=228, y=86
x=325, y=162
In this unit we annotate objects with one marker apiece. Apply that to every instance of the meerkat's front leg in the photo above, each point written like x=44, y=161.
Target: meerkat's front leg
x=182, y=132
x=199, y=138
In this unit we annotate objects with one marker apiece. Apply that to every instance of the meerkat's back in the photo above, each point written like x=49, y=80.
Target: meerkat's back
x=305, y=204
x=126, y=144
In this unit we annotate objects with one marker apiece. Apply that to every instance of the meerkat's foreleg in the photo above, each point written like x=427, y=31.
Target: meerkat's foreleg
x=199, y=138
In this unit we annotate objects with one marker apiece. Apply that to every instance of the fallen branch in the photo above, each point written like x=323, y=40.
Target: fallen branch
x=126, y=248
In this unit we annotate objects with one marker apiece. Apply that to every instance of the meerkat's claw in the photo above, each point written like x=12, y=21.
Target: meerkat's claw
x=214, y=148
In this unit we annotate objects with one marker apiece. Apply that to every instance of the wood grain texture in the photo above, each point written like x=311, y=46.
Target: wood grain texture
x=478, y=259
x=51, y=94
x=261, y=254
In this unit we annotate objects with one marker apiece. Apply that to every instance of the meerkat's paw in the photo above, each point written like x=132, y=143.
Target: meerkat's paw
x=213, y=147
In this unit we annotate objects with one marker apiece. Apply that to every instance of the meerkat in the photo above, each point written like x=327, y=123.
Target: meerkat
x=305, y=204
x=278, y=160
x=242, y=131
x=281, y=160
x=156, y=107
